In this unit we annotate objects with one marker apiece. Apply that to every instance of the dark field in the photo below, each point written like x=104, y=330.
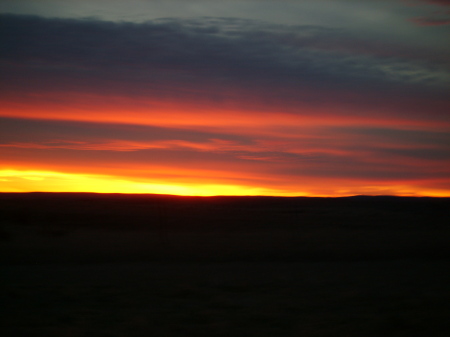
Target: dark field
x=134, y=265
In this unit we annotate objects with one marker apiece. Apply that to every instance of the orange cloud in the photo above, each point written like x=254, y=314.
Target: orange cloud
x=266, y=110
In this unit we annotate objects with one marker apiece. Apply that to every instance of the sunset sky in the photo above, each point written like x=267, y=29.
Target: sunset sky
x=197, y=97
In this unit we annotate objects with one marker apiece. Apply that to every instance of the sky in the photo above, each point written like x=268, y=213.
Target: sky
x=196, y=97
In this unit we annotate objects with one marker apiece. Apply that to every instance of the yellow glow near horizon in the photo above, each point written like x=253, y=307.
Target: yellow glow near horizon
x=47, y=181
x=12, y=180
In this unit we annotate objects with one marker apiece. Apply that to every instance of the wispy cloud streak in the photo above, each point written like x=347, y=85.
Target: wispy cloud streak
x=307, y=108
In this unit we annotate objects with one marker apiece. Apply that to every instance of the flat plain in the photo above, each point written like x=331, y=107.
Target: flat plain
x=140, y=265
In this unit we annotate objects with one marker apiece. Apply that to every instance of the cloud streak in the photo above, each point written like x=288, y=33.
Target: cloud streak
x=368, y=154
x=306, y=109
x=208, y=50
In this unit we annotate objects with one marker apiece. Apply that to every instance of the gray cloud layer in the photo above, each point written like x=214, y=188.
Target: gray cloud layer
x=205, y=58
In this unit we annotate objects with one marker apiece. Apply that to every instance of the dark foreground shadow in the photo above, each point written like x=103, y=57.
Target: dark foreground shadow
x=90, y=265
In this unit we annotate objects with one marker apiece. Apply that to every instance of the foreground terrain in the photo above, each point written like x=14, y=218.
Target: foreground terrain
x=118, y=265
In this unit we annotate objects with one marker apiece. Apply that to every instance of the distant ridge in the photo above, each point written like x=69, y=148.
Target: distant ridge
x=151, y=195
